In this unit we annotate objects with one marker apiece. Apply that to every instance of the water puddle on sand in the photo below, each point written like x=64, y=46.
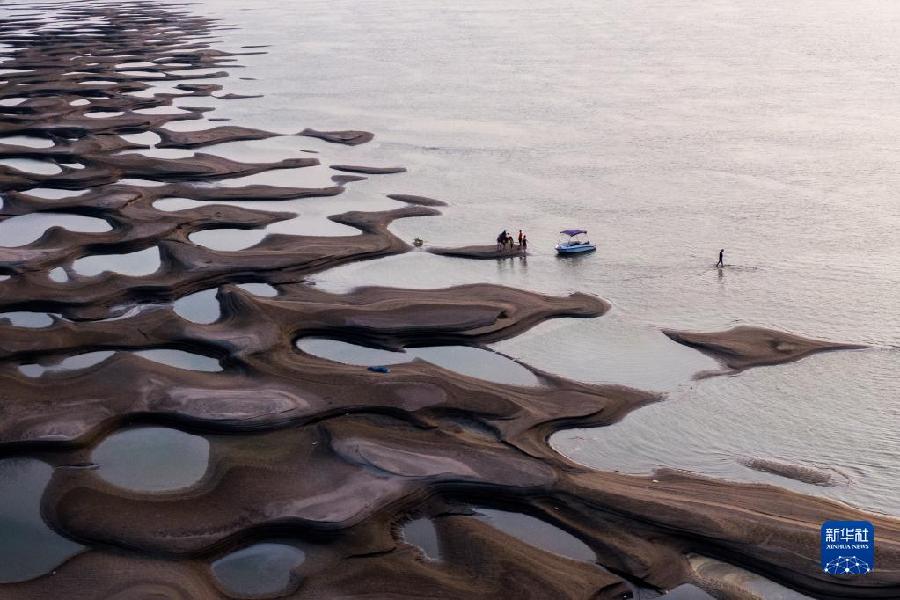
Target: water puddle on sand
x=474, y=362
x=167, y=356
x=58, y=275
x=28, y=547
x=422, y=533
x=54, y=194
x=152, y=459
x=148, y=138
x=228, y=240
x=259, y=289
x=25, y=229
x=259, y=570
x=28, y=141
x=537, y=533
x=28, y=319
x=31, y=165
x=200, y=307
x=181, y=359
x=70, y=363
x=136, y=264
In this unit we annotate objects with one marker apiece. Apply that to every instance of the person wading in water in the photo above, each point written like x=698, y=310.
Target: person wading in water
x=721, y=262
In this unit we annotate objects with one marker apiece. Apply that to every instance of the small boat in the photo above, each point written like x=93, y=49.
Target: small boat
x=576, y=243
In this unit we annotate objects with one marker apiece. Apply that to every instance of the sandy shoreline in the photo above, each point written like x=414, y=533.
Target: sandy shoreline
x=328, y=453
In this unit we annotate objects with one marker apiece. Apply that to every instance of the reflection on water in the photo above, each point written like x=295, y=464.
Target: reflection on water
x=30, y=141
x=24, y=229
x=474, y=362
x=181, y=359
x=422, y=533
x=259, y=289
x=537, y=533
x=152, y=459
x=70, y=363
x=28, y=548
x=808, y=413
x=31, y=165
x=30, y=320
x=228, y=240
x=200, y=307
x=261, y=569
x=136, y=264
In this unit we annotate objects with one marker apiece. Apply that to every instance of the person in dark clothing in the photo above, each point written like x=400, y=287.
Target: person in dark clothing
x=721, y=262
x=521, y=235
x=501, y=240
x=524, y=243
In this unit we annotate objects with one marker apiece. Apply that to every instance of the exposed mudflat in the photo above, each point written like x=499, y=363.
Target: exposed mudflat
x=744, y=347
x=298, y=451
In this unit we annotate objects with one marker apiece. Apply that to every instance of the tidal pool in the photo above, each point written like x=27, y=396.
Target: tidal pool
x=259, y=570
x=474, y=362
x=25, y=229
x=28, y=547
x=152, y=459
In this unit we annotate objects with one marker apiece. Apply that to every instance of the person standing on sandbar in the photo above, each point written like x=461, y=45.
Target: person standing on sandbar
x=721, y=262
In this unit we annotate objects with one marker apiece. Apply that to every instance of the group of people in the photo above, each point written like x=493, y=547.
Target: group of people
x=506, y=242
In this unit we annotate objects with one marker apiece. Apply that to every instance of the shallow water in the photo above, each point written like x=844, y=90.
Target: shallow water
x=668, y=130
x=28, y=547
x=260, y=569
x=25, y=229
x=422, y=533
x=181, y=359
x=200, y=307
x=474, y=362
x=152, y=459
x=29, y=141
x=228, y=240
x=537, y=533
x=136, y=264
x=70, y=363
x=821, y=419
x=31, y=165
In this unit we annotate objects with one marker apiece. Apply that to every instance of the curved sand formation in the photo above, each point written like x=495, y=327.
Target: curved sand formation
x=368, y=170
x=348, y=137
x=799, y=472
x=482, y=252
x=744, y=347
x=332, y=455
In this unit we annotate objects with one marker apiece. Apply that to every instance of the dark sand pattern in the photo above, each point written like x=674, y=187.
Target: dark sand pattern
x=482, y=252
x=327, y=456
x=744, y=347
x=350, y=137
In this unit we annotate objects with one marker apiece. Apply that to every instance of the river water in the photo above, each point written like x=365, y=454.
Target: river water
x=668, y=129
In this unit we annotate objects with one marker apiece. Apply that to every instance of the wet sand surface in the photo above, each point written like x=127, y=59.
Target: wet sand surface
x=295, y=465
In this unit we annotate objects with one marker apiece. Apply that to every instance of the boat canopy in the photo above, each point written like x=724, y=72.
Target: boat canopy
x=571, y=232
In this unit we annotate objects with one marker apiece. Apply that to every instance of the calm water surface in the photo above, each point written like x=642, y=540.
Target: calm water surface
x=668, y=130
